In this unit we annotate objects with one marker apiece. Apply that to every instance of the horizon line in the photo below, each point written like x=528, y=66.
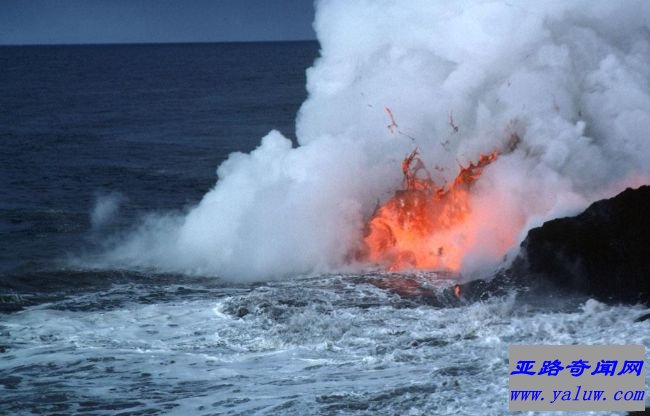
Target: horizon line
x=156, y=43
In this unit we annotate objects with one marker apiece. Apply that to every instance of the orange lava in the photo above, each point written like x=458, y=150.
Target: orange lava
x=414, y=229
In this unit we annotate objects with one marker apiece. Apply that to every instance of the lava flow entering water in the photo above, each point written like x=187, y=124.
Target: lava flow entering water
x=417, y=227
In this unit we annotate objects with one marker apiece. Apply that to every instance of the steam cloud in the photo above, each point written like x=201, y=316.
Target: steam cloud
x=570, y=78
x=105, y=210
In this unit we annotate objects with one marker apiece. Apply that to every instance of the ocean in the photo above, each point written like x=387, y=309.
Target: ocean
x=93, y=139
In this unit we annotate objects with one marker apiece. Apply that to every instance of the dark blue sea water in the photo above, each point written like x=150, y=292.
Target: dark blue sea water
x=148, y=125
x=151, y=122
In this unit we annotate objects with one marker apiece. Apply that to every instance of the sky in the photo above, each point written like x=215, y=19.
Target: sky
x=150, y=21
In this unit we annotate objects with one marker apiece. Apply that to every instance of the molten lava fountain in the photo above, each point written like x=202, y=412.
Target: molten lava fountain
x=422, y=226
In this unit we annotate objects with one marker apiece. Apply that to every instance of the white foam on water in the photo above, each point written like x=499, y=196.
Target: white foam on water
x=301, y=347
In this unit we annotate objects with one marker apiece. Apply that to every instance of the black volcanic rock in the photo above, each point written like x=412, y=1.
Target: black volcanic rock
x=603, y=252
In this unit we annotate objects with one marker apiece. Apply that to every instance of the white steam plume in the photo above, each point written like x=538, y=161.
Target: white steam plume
x=105, y=209
x=570, y=78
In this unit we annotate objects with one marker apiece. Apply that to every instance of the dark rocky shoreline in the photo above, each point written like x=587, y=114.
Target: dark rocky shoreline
x=602, y=253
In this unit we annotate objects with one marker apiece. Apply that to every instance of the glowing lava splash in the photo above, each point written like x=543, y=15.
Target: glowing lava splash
x=420, y=226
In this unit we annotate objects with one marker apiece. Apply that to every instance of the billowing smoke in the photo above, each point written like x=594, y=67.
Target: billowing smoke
x=561, y=88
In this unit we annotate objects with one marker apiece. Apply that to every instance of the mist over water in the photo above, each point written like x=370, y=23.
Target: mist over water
x=561, y=89
x=106, y=207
